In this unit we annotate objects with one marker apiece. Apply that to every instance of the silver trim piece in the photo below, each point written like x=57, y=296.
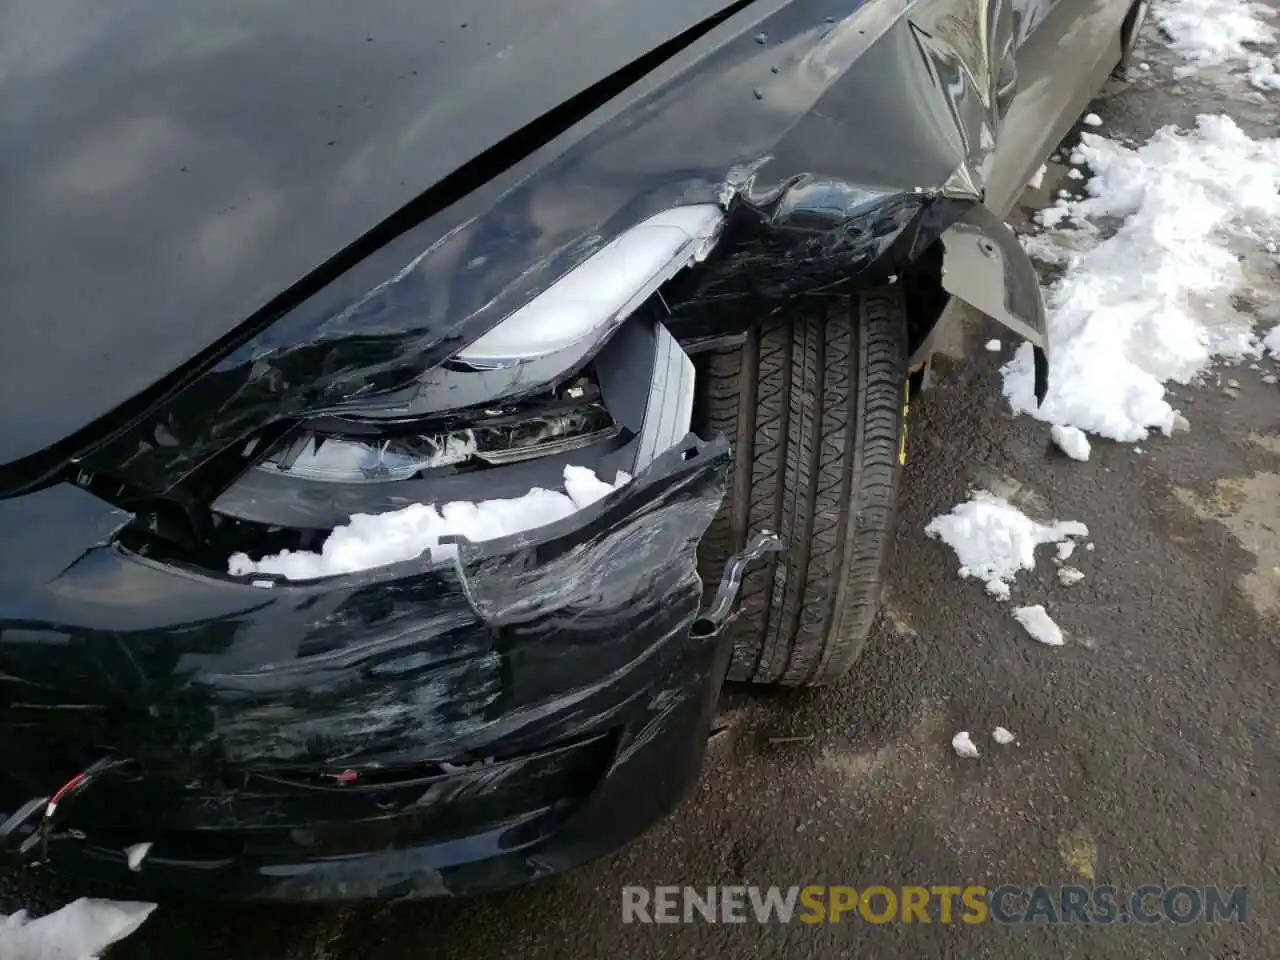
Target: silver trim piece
x=669, y=410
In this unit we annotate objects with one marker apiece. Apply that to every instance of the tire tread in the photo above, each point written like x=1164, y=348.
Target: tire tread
x=814, y=405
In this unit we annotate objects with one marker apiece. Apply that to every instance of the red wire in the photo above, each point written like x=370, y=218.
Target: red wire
x=66, y=788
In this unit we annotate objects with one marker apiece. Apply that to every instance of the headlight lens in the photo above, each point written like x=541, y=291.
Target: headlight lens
x=339, y=459
x=592, y=299
x=350, y=451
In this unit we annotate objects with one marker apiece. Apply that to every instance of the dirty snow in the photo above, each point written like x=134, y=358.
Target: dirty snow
x=375, y=540
x=1264, y=73
x=1050, y=217
x=1152, y=303
x=963, y=745
x=136, y=854
x=994, y=540
x=1272, y=342
x=1071, y=441
x=1002, y=736
x=1034, y=182
x=1069, y=576
x=1039, y=625
x=999, y=589
x=1215, y=33
x=81, y=930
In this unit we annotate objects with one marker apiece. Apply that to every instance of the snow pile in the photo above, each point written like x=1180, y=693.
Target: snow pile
x=79, y=931
x=1214, y=33
x=994, y=540
x=1264, y=73
x=1071, y=441
x=1039, y=625
x=1002, y=736
x=964, y=746
x=1272, y=342
x=1153, y=302
x=374, y=540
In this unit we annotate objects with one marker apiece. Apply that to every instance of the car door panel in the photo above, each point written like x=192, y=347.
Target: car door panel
x=1061, y=67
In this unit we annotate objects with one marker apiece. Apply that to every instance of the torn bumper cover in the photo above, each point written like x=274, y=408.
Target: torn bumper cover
x=473, y=724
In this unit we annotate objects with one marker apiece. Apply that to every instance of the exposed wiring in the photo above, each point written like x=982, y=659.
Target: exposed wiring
x=64, y=795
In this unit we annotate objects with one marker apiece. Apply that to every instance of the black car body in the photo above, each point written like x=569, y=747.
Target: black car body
x=228, y=222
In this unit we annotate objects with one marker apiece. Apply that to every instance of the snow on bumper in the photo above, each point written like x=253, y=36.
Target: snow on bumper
x=374, y=540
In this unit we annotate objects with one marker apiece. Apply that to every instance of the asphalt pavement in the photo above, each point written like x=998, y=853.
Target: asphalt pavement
x=1147, y=751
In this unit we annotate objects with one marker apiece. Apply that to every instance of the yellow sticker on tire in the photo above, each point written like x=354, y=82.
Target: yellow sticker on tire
x=906, y=408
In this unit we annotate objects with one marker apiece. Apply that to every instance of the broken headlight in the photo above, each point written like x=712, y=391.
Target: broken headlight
x=585, y=374
x=588, y=302
x=352, y=451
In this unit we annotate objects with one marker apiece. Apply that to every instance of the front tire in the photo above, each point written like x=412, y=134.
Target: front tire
x=815, y=406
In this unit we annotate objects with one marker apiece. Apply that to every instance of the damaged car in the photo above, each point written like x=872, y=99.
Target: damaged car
x=413, y=414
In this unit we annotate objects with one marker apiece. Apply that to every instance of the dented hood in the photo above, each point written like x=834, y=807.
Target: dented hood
x=171, y=168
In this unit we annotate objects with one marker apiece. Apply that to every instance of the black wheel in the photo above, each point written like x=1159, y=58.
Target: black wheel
x=815, y=406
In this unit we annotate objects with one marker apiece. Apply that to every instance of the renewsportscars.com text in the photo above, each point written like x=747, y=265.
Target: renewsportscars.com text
x=1005, y=904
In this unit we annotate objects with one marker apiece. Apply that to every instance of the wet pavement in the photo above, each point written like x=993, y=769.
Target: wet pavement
x=1148, y=747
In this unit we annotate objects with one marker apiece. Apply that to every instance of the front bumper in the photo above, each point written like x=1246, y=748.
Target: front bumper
x=412, y=731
